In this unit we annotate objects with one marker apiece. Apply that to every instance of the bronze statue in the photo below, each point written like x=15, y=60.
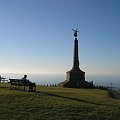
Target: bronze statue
x=75, y=32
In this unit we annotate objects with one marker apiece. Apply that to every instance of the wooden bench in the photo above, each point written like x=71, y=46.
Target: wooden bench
x=20, y=82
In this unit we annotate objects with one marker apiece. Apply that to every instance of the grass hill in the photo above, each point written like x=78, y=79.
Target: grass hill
x=55, y=103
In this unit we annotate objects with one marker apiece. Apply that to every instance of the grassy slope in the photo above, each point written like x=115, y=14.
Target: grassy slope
x=52, y=103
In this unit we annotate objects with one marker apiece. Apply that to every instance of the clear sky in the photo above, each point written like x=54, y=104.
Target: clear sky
x=36, y=36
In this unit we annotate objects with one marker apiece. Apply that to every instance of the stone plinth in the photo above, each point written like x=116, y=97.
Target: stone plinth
x=75, y=75
x=76, y=79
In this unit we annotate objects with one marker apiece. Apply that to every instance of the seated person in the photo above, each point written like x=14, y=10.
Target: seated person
x=25, y=77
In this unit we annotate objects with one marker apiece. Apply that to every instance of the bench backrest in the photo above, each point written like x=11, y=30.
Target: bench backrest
x=22, y=82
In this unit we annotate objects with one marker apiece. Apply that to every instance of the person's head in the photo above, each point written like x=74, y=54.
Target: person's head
x=25, y=76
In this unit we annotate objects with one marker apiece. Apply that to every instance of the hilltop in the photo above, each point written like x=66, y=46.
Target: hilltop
x=51, y=103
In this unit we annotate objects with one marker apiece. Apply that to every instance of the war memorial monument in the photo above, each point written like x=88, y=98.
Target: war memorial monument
x=76, y=77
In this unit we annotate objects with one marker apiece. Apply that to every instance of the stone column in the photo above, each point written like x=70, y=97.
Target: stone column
x=75, y=58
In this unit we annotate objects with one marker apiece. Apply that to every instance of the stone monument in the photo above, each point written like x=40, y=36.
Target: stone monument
x=76, y=77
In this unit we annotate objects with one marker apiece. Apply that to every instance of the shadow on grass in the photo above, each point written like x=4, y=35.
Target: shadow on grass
x=6, y=88
x=68, y=98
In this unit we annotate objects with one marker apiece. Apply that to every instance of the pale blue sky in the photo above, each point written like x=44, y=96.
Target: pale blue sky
x=36, y=35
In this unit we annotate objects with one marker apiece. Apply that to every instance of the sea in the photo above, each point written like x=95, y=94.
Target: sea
x=52, y=79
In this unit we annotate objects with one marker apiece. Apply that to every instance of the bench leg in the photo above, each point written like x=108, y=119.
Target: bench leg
x=24, y=88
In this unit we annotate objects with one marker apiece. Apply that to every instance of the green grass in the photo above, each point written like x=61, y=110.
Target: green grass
x=51, y=103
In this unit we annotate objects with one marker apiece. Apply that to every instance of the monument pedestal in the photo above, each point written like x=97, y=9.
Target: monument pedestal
x=75, y=75
x=76, y=79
